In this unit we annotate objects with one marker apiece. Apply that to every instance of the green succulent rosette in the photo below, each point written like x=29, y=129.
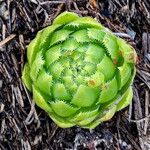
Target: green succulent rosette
x=79, y=72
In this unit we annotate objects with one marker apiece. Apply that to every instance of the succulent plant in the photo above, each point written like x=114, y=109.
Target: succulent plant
x=79, y=72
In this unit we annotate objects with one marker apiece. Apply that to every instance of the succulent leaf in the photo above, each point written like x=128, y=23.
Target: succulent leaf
x=126, y=100
x=44, y=82
x=59, y=36
x=26, y=77
x=106, y=117
x=65, y=18
x=40, y=100
x=124, y=74
x=52, y=54
x=81, y=36
x=110, y=87
x=46, y=36
x=110, y=42
x=33, y=48
x=127, y=51
x=61, y=122
x=63, y=109
x=60, y=92
x=36, y=66
x=107, y=71
x=84, y=114
x=79, y=72
x=96, y=34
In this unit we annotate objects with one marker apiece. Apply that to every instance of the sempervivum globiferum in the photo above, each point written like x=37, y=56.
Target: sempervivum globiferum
x=79, y=72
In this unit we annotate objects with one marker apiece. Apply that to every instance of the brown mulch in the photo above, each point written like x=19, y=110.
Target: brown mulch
x=25, y=126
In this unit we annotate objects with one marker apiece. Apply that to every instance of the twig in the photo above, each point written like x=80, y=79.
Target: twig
x=124, y=35
x=9, y=38
x=52, y=2
x=140, y=120
x=53, y=132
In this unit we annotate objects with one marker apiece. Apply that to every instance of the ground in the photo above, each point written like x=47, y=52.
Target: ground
x=25, y=126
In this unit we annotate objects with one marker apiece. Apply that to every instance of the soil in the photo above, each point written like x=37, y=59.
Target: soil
x=25, y=126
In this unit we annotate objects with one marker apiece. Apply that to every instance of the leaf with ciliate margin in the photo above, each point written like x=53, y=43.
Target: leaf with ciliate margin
x=127, y=51
x=36, y=66
x=111, y=45
x=63, y=109
x=59, y=36
x=84, y=114
x=65, y=18
x=46, y=36
x=108, y=91
x=96, y=34
x=26, y=77
x=40, y=100
x=106, y=67
x=81, y=36
x=60, y=92
x=124, y=73
x=52, y=54
x=84, y=22
x=44, y=82
x=126, y=100
x=61, y=122
x=85, y=96
x=107, y=116
x=33, y=48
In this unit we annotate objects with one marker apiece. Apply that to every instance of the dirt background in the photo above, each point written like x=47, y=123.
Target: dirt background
x=24, y=126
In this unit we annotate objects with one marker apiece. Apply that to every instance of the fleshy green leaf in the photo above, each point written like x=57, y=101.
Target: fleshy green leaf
x=96, y=80
x=126, y=100
x=36, y=66
x=108, y=91
x=127, y=51
x=46, y=36
x=124, y=74
x=94, y=53
x=63, y=109
x=26, y=77
x=86, y=121
x=107, y=68
x=79, y=79
x=65, y=18
x=70, y=44
x=40, y=100
x=85, y=96
x=60, y=92
x=84, y=22
x=52, y=54
x=44, y=82
x=81, y=36
x=61, y=122
x=110, y=42
x=84, y=115
x=89, y=68
x=59, y=36
x=56, y=69
x=33, y=48
x=106, y=117
x=67, y=80
x=96, y=34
